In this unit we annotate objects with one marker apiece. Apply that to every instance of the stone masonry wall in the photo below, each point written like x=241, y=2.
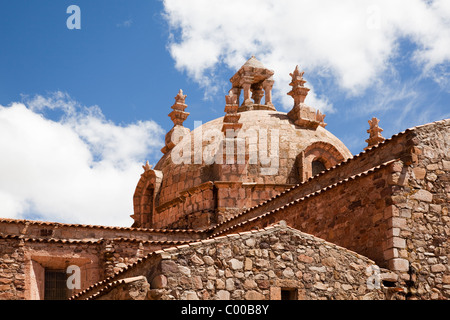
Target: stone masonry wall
x=212, y=203
x=12, y=273
x=258, y=265
x=23, y=261
x=119, y=254
x=414, y=214
x=355, y=215
x=422, y=225
x=399, y=147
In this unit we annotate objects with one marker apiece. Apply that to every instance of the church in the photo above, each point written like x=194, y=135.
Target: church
x=257, y=205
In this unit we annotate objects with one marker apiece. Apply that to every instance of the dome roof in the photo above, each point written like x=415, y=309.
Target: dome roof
x=236, y=161
x=273, y=144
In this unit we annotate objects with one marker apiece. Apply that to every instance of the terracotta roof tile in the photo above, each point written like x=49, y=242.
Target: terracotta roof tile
x=46, y=223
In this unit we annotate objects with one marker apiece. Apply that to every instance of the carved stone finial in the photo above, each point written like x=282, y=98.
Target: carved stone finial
x=180, y=98
x=301, y=114
x=298, y=76
x=231, y=119
x=374, y=132
x=147, y=167
x=299, y=91
x=178, y=116
x=231, y=98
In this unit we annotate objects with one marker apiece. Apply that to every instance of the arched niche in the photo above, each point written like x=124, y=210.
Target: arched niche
x=317, y=157
x=144, y=198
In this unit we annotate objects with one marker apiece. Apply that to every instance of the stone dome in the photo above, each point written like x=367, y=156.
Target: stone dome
x=237, y=161
x=266, y=150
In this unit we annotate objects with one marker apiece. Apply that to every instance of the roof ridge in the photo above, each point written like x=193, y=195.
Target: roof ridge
x=51, y=223
x=32, y=239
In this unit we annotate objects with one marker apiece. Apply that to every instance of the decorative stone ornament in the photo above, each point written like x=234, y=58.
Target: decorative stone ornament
x=147, y=167
x=255, y=81
x=178, y=116
x=303, y=115
x=231, y=119
x=374, y=132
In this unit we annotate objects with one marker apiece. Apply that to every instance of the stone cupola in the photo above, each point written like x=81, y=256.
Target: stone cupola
x=255, y=81
x=236, y=161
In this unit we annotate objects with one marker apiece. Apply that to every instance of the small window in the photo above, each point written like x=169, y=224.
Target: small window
x=317, y=167
x=289, y=294
x=56, y=285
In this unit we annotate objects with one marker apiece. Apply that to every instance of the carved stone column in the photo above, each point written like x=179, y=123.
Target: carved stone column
x=257, y=93
x=268, y=85
x=246, y=87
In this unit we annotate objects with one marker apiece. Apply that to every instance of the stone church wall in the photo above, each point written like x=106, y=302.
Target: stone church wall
x=422, y=224
x=12, y=273
x=264, y=265
x=212, y=203
x=396, y=215
x=24, y=260
x=398, y=147
x=354, y=214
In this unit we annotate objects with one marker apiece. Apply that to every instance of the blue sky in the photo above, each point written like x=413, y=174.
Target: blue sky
x=108, y=87
x=118, y=60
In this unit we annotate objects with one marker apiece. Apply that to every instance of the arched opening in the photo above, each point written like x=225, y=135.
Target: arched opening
x=316, y=158
x=317, y=167
x=144, y=198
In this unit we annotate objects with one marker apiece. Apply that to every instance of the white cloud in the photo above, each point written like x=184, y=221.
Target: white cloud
x=125, y=24
x=353, y=41
x=80, y=168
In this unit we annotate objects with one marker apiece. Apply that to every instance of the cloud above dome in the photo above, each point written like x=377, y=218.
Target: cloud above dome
x=62, y=161
x=351, y=42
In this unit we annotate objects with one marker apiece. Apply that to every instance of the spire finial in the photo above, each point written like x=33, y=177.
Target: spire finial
x=301, y=114
x=231, y=119
x=178, y=115
x=180, y=97
x=147, y=167
x=299, y=91
x=374, y=132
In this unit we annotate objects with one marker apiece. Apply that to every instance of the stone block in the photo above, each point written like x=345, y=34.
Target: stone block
x=305, y=259
x=423, y=195
x=396, y=222
x=396, y=242
x=223, y=295
x=399, y=264
x=446, y=165
x=189, y=295
x=438, y=268
x=236, y=264
x=446, y=279
x=275, y=293
x=420, y=173
x=159, y=282
x=254, y=295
